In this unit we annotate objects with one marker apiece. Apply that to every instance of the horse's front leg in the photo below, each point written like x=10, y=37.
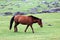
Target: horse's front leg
x=26, y=28
x=15, y=27
x=32, y=28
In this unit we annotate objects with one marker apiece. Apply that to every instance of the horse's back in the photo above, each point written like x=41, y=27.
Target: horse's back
x=23, y=19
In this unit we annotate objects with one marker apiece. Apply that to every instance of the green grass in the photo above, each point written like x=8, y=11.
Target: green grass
x=23, y=6
x=45, y=33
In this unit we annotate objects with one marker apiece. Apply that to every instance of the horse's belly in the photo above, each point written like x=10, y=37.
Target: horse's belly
x=25, y=23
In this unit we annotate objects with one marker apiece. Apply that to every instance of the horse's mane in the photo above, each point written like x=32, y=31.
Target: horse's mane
x=33, y=17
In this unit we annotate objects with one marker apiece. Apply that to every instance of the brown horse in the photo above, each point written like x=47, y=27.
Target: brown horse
x=25, y=20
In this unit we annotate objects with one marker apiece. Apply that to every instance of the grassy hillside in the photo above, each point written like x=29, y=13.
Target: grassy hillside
x=19, y=5
x=46, y=33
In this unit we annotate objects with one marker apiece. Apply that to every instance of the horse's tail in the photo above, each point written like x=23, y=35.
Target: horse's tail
x=11, y=22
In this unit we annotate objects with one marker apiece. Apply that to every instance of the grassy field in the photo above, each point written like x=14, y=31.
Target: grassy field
x=46, y=33
x=19, y=5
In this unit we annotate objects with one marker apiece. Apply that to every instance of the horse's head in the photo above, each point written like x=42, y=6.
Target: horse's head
x=37, y=20
x=40, y=22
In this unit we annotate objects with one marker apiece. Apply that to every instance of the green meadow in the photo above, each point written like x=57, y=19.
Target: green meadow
x=50, y=30
x=22, y=6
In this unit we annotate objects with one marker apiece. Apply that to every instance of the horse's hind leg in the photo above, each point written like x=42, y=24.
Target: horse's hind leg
x=26, y=28
x=15, y=27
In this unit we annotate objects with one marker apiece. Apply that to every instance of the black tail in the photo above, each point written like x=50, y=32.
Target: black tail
x=11, y=22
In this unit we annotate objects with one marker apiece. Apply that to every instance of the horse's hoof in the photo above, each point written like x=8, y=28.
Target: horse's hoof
x=24, y=31
x=33, y=32
x=15, y=31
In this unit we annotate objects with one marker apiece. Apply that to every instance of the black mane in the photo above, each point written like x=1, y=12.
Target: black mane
x=33, y=17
